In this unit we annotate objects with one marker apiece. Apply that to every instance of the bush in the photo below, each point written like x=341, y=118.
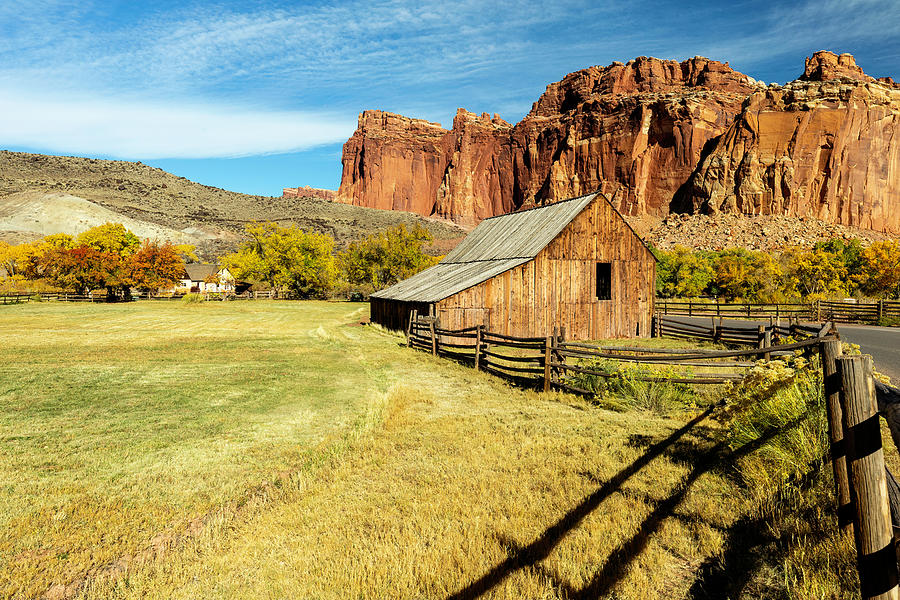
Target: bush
x=625, y=388
x=193, y=298
x=888, y=322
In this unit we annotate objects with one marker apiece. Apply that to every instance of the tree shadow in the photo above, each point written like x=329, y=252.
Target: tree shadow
x=618, y=562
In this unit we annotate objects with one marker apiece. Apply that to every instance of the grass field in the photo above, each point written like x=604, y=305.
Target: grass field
x=275, y=450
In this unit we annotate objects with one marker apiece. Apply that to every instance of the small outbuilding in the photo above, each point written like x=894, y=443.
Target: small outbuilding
x=575, y=264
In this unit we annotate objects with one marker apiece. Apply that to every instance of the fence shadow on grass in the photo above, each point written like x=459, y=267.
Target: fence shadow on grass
x=616, y=565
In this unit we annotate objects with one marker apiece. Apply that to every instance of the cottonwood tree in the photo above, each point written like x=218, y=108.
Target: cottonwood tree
x=385, y=258
x=286, y=258
x=155, y=266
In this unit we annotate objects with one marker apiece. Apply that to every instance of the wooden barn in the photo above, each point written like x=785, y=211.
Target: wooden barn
x=575, y=263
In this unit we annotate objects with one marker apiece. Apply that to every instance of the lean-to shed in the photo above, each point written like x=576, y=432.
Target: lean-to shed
x=575, y=263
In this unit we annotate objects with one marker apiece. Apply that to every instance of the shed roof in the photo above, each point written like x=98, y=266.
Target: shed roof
x=199, y=272
x=497, y=245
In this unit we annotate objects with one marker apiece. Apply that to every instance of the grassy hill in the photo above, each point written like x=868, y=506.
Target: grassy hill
x=39, y=193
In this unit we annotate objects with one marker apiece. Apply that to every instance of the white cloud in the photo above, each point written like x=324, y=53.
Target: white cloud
x=124, y=129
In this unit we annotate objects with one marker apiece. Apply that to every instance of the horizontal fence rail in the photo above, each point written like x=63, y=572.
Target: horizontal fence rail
x=823, y=310
x=23, y=297
x=551, y=362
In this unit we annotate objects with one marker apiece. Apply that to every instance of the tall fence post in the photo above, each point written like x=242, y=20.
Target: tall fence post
x=831, y=379
x=876, y=557
x=434, y=344
x=413, y=316
x=767, y=342
x=880, y=309
x=478, y=331
x=548, y=346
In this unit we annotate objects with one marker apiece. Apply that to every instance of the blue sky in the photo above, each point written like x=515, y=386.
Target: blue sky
x=256, y=95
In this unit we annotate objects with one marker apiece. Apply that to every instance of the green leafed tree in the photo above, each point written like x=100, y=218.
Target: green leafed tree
x=681, y=273
x=383, y=259
x=286, y=258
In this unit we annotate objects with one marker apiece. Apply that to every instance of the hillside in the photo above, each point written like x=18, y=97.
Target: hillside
x=40, y=195
x=660, y=137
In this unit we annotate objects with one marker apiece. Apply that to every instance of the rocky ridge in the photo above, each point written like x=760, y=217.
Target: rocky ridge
x=659, y=137
x=42, y=194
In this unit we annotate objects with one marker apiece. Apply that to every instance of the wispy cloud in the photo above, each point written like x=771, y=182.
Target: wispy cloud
x=268, y=70
x=101, y=127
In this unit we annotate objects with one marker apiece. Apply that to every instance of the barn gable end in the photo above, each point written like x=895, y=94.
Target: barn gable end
x=528, y=274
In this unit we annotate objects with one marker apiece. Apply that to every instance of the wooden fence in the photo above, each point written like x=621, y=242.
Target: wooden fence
x=867, y=494
x=551, y=362
x=823, y=310
x=22, y=297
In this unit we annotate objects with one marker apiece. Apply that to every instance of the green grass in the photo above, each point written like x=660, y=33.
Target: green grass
x=272, y=450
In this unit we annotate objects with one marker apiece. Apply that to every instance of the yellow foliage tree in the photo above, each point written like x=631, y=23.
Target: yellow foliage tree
x=880, y=269
x=286, y=257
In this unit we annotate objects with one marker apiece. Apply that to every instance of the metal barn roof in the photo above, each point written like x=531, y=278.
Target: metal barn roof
x=497, y=245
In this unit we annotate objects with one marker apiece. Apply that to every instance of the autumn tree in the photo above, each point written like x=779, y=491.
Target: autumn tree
x=383, y=259
x=879, y=269
x=682, y=273
x=111, y=238
x=286, y=258
x=814, y=273
x=746, y=275
x=81, y=268
x=154, y=266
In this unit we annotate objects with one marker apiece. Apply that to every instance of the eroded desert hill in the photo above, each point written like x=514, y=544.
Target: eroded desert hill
x=40, y=195
x=660, y=137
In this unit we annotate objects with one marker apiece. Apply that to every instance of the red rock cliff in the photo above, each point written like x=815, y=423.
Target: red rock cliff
x=825, y=146
x=659, y=136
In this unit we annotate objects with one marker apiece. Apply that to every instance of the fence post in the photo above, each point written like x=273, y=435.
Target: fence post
x=658, y=325
x=818, y=310
x=880, y=309
x=413, y=315
x=548, y=345
x=767, y=343
x=433, y=339
x=831, y=379
x=478, y=347
x=690, y=308
x=876, y=558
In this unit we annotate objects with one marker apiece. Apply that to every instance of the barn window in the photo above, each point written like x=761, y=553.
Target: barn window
x=604, y=281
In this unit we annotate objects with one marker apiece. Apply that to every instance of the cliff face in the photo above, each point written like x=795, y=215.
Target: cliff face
x=826, y=146
x=657, y=136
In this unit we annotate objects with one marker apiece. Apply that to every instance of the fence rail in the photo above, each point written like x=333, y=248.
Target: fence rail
x=23, y=297
x=865, y=489
x=823, y=310
x=551, y=362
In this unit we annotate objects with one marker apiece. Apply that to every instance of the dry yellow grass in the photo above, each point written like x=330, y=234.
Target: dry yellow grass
x=325, y=461
x=469, y=487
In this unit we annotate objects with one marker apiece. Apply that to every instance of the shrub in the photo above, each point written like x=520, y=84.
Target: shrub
x=193, y=298
x=625, y=388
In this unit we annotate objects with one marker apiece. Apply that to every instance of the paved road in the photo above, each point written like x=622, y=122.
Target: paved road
x=883, y=343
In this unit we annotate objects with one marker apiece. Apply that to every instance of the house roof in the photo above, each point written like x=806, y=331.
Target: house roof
x=497, y=245
x=198, y=272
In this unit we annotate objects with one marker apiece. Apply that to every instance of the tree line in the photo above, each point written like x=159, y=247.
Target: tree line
x=285, y=258
x=104, y=257
x=830, y=269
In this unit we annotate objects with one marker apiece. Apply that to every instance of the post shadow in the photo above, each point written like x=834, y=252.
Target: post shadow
x=617, y=563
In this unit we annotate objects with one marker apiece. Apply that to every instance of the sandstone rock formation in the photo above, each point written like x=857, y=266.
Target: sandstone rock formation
x=826, y=146
x=657, y=136
x=308, y=192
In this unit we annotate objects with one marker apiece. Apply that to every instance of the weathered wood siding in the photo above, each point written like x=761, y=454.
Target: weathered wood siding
x=558, y=287
x=394, y=314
